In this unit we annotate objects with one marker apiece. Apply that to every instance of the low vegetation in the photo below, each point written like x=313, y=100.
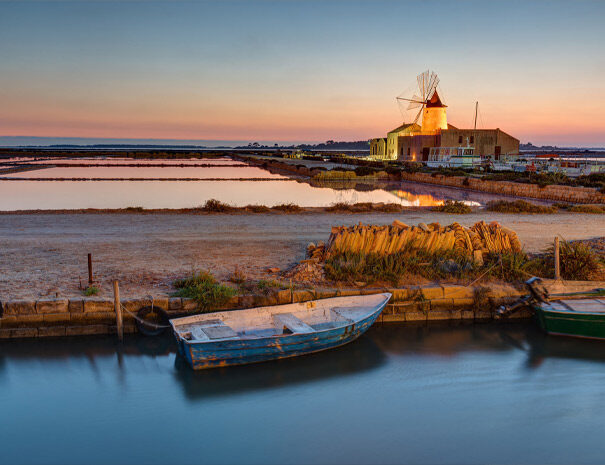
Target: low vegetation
x=91, y=290
x=409, y=264
x=257, y=208
x=359, y=172
x=203, y=287
x=287, y=208
x=216, y=206
x=597, y=209
x=578, y=261
x=519, y=206
x=365, y=207
x=453, y=206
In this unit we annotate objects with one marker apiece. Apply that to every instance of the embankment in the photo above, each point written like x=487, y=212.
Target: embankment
x=87, y=316
x=555, y=193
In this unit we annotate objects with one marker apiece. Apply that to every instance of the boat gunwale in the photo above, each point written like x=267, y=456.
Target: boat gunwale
x=549, y=309
x=378, y=308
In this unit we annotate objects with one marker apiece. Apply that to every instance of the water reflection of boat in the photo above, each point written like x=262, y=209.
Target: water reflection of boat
x=347, y=360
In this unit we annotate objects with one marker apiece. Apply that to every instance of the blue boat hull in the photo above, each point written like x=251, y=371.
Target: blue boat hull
x=202, y=355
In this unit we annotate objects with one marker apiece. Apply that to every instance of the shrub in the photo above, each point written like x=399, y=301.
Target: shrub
x=350, y=267
x=518, y=206
x=365, y=171
x=91, y=290
x=238, y=276
x=216, y=206
x=587, y=209
x=287, y=208
x=453, y=206
x=257, y=208
x=204, y=289
x=577, y=261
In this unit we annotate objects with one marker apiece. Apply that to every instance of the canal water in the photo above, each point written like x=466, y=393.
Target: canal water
x=484, y=393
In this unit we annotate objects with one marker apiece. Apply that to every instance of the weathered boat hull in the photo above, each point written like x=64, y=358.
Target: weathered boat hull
x=566, y=323
x=224, y=353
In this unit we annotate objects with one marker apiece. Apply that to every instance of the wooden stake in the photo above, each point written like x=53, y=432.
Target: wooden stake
x=90, y=269
x=557, y=263
x=118, y=309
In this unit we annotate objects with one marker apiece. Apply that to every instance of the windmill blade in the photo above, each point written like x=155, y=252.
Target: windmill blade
x=414, y=102
x=423, y=79
x=418, y=115
x=433, y=83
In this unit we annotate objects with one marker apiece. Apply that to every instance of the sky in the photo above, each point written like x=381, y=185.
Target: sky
x=288, y=70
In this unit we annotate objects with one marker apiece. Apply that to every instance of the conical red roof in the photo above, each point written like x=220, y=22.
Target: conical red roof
x=435, y=101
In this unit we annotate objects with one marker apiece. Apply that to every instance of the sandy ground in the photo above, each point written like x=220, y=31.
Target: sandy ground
x=42, y=254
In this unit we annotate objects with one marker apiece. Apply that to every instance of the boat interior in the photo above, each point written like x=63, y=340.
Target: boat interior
x=282, y=320
x=579, y=306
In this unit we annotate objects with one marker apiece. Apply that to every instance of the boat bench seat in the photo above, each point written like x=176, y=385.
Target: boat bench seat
x=214, y=329
x=294, y=324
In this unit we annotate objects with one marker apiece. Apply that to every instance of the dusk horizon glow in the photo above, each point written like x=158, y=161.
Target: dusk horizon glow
x=297, y=71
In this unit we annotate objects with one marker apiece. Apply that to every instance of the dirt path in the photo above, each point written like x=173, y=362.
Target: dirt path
x=46, y=254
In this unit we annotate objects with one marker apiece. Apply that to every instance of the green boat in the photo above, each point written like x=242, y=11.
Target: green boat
x=577, y=318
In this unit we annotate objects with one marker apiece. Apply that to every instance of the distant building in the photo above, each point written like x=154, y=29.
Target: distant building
x=413, y=142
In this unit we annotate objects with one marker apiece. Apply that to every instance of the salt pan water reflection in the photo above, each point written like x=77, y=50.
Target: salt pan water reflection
x=126, y=172
x=48, y=195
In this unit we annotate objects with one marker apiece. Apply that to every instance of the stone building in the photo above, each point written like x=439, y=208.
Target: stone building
x=412, y=142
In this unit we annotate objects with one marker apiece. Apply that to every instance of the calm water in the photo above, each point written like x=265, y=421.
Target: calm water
x=139, y=187
x=436, y=394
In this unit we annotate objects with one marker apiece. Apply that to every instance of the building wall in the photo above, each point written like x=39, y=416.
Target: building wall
x=484, y=141
x=378, y=148
x=411, y=148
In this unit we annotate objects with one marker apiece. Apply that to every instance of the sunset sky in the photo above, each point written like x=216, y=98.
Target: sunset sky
x=298, y=70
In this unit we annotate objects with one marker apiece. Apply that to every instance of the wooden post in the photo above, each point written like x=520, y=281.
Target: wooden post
x=557, y=263
x=90, y=269
x=118, y=308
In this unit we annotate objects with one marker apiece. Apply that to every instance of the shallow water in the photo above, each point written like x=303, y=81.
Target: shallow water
x=400, y=394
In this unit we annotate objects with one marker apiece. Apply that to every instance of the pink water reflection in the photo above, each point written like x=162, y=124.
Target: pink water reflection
x=48, y=195
x=125, y=172
x=123, y=161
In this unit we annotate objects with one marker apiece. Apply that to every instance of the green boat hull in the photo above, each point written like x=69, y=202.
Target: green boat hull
x=576, y=324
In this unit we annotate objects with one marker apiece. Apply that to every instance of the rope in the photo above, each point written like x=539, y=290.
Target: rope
x=146, y=323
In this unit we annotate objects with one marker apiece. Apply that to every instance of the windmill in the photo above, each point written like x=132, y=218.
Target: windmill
x=421, y=98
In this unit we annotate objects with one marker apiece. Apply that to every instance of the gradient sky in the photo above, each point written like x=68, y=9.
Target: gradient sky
x=298, y=70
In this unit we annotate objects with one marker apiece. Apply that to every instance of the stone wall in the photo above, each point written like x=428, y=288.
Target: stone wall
x=85, y=316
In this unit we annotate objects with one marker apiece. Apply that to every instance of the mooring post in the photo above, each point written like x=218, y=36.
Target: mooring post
x=118, y=308
x=90, y=269
x=557, y=263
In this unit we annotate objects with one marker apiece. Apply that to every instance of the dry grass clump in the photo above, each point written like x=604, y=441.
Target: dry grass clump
x=444, y=264
x=257, y=208
x=453, y=206
x=518, y=206
x=596, y=209
x=365, y=207
x=287, y=208
x=216, y=206
x=238, y=276
x=577, y=260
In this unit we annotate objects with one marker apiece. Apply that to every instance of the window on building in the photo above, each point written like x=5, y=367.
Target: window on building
x=408, y=151
x=460, y=139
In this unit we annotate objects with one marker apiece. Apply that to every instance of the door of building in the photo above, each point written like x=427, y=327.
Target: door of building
x=425, y=153
x=497, y=151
